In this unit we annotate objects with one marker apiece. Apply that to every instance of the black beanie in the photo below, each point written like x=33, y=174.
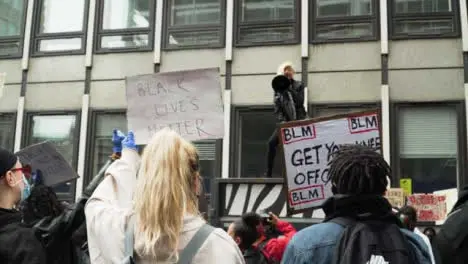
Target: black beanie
x=7, y=161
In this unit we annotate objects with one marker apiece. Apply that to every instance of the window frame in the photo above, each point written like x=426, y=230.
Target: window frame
x=199, y=28
x=100, y=32
x=459, y=107
x=312, y=110
x=19, y=38
x=91, y=142
x=238, y=25
x=13, y=116
x=393, y=17
x=26, y=138
x=374, y=19
x=36, y=36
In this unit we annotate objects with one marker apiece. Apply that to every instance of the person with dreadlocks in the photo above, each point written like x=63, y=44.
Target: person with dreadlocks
x=357, y=218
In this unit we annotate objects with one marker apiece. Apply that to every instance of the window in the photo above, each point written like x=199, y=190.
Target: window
x=63, y=131
x=428, y=147
x=344, y=20
x=194, y=23
x=125, y=25
x=325, y=110
x=7, y=131
x=253, y=127
x=101, y=143
x=12, y=17
x=264, y=22
x=60, y=26
x=422, y=18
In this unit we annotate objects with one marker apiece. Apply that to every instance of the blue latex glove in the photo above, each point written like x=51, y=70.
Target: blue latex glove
x=117, y=137
x=129, y=141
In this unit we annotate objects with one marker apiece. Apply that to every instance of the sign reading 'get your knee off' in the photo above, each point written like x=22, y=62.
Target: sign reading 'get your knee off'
x=308, y=147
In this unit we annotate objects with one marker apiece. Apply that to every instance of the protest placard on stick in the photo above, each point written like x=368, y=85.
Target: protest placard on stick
x=308, y=147
x=430, y=207
x=396, y=197
x=188, y=102
x=45, y=157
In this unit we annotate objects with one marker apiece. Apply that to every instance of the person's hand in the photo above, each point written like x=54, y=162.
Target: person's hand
x=117, y=138
x=129, y=141
x=274, y=219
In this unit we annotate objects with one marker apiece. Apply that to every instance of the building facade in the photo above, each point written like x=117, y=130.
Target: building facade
x=66, y=62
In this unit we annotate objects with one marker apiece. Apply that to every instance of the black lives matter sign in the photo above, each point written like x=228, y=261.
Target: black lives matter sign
x=309, y=146
x=188, y=102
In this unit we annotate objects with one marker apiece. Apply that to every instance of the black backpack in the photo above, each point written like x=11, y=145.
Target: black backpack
x=372, y=242
x=258, y=255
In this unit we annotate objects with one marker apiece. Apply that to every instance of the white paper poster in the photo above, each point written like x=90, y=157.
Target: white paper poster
x=188, y=102
x=308, y=147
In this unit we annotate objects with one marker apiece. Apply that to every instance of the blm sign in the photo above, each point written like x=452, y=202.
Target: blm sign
x=308, y=147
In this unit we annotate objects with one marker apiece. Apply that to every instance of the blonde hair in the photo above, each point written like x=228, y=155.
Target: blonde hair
x=283, y=66
x=168, y=174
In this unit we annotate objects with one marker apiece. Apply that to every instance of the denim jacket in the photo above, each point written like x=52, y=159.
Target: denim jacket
x=316, y=245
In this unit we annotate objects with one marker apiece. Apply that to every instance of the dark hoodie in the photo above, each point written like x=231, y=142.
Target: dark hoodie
x=451, y=242
x=18, y=244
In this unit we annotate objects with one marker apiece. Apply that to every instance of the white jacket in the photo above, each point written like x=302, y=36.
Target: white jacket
x=110, y=207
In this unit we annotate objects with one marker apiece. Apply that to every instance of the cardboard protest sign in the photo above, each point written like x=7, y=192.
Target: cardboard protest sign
x=45, y=157
x=430, y=207
x=396, y=197
x=451, y=197
x=308, y=147
x=188, y=102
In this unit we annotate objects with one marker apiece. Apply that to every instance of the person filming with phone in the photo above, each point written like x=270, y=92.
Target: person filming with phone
x=261, y=237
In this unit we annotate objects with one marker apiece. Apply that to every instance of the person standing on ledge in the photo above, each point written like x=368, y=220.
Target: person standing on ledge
x=289, y=106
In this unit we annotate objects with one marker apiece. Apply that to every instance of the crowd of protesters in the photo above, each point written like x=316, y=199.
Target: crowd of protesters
x=144, y=209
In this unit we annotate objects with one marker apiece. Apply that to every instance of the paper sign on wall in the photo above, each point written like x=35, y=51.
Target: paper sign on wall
x=396, y=197
x=430, y=207
x=188, y=102
x=45, y=157
x=308, y=147
x=407, y=185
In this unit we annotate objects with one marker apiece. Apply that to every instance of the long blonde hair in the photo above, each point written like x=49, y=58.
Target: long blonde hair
x=168, y=174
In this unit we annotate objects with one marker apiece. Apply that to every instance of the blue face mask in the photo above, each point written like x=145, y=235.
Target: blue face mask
x=26, y=190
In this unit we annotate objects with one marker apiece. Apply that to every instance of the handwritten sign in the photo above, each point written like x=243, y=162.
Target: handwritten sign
x=45, y=157
x=308, y=147
x=396, y=197
x=430, y=207
x=188, y=102
x=407, y=185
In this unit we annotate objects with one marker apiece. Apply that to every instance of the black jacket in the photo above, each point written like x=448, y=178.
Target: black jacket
x=284, y=107
x=450, y=245
x=18, y=245
x=64, y=237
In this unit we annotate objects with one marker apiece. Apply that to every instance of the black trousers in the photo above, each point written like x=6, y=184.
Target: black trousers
x=273, y=142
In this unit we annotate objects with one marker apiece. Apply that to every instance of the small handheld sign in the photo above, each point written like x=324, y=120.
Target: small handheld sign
x=308, y=147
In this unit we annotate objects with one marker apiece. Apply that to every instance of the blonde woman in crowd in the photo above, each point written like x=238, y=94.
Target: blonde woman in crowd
x=160, y=205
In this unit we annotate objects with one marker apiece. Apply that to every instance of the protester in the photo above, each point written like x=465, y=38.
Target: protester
x=451, y=242
x=163, y=217
x=18, y=243
x=430, y=233
x=359, y=226
x=250, y=235
x=408, y=216
x=289, y=106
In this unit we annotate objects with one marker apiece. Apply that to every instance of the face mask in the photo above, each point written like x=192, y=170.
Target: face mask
x=26, y=191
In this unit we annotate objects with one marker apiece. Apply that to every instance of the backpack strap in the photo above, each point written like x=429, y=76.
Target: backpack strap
x=129, y=237
x=195, y=244
x=343, y=221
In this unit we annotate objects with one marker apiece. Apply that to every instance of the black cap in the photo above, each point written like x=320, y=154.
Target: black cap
x=7, y=161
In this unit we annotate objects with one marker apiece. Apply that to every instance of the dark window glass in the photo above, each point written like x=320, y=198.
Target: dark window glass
x=349, y=19
x=267, y=21
x=255, y=129
x=424, y=17
x=102, y=145
x=428, y=147
x=126, y=14
x=12, y=17
x=195, y=23
x=7, y=131
x=63, y=132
